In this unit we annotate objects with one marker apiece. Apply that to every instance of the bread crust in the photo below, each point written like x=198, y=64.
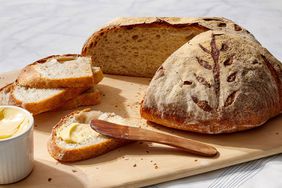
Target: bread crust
x=212, y=126
x=29, y=77
x=82, y=153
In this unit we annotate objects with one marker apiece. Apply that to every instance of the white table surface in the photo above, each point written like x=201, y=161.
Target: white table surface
x=32, y=29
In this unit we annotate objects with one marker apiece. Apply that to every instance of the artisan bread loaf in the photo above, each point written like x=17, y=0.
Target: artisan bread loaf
x=138, y=46
x=91, y=143
x=41, y=100
x=58, y=71
x=219, y=82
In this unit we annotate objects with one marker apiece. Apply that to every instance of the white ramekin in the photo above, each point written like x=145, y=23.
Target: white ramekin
x=16, y=153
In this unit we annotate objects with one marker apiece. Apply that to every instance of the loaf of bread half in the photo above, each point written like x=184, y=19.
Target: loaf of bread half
x=58, y=71
x=91, y=145
x=138, y=46
x=219, y=82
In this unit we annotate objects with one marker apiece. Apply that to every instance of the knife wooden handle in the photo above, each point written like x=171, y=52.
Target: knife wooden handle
x=181, y=143
x=134, y=133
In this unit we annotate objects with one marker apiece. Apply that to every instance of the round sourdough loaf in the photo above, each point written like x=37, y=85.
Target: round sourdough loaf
x=218, y=82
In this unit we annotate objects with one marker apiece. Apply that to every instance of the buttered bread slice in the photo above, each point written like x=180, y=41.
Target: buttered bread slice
x=58, y=71
x=72, y=139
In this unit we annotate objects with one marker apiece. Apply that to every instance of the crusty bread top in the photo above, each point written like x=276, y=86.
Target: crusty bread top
x=218, y=81
x=210, y=23
x=69, y=70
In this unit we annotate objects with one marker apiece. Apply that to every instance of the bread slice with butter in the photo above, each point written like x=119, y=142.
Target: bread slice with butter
x=72, y=139
x=59, y=71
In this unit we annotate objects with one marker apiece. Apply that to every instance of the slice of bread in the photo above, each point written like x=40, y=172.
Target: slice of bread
x=5, y=95
x=138, y=46
x=90, y=97
x=41, y=100
x=91, y=145
x=58, y=71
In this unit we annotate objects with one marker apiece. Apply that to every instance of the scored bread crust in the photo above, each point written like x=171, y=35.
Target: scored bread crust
x=81, y=153
x=196, y=25
x=30, y=77
x=47, y=104
x=219, y=82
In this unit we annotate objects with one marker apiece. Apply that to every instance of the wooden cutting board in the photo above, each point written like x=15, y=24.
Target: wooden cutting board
x=140, y=164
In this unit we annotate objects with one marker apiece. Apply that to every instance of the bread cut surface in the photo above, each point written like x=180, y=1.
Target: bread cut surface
x=138, y=46
x=218, y=82
x=93, y=145
x=58, y=71
x=41, y=100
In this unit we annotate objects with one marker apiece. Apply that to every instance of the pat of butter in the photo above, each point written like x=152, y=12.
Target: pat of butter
x=12, y=121
x=81, y=132
x=77, y=133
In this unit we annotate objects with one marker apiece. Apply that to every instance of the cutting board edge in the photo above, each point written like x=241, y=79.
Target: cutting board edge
x=216, y=166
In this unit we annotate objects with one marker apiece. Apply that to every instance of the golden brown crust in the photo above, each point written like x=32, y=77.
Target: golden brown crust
x=208, y=127
x=47, y=104
x=29, y=77
x=82, y=153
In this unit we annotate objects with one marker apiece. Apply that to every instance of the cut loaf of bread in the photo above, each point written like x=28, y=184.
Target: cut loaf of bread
x=138, y=46
x=93, y=145
x=41, y=100
x=58, y=71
